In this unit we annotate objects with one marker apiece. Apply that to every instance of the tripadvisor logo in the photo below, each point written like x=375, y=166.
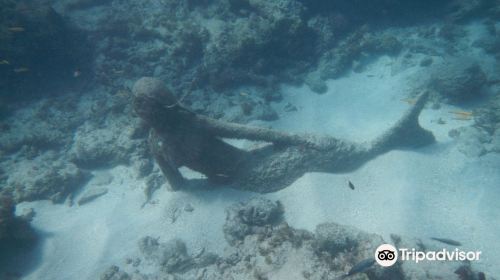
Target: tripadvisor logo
x=387, y=255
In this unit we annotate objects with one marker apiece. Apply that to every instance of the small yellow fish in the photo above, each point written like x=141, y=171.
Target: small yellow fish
x=118, y=71
x=462, y=113
x=243, y=94
x=410, y=101
x=21, y=70
x=462, y=118
x=4, y=62
x=16, y=29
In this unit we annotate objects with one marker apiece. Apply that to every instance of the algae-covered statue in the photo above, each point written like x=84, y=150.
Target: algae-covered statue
x=180, y=137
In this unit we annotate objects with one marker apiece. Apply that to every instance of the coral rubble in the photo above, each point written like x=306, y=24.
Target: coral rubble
x=268, y=248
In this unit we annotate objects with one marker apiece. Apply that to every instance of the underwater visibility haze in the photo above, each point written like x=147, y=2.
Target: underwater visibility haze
x=249, y=139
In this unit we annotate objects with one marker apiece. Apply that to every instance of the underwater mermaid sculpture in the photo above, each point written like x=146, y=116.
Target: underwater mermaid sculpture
x=180, y=137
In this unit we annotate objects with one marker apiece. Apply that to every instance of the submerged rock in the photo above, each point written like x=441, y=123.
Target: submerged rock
x=95, y=147
x=114, y=273
x=354, y=50
x=15, y=233
x=315, y=83
x=44, y=178
x=484, y=135
x=487, y=118
x=426, y=61
x=458, y=80
x=494, y=145
x=248, y=218
x=278, y=251
x=334, y=238
x=490, y=45
x=172, y=256
x=471, y=140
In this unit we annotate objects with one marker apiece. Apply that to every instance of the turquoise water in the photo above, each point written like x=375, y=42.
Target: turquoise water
x=371, y=122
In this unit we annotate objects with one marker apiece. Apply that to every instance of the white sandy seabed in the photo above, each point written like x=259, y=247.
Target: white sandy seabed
x=433, y=191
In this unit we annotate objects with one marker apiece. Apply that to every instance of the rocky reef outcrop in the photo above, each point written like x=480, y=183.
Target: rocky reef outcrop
x=45, y=177
x=48, y=149
x=483, y=136
x=205, y=49
x=264, y=246
x=458, y=80
x=248, y=218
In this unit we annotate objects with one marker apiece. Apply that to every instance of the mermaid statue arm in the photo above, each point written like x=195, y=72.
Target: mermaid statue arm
x=159, y=108
x=238, y=131
x=174, y=177
x=167, y=166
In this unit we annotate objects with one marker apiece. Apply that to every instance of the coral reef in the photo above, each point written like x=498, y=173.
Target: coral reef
x=334, y=238
x=45, y=177
x=458, y=80
x=471, y=140
x=248, y=218
x=172, y=256
x=47, y=158
x=93, y=148
x=209, y=49
x=484, y=135
x=114, y=273
x=274, y=250
x=353, y=49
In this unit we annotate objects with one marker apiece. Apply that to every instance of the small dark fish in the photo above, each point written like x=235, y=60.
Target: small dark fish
x=359, y=267
x=351, y=185
x=447, y=241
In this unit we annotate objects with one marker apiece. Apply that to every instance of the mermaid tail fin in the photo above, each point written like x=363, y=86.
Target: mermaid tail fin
x=407, y=132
